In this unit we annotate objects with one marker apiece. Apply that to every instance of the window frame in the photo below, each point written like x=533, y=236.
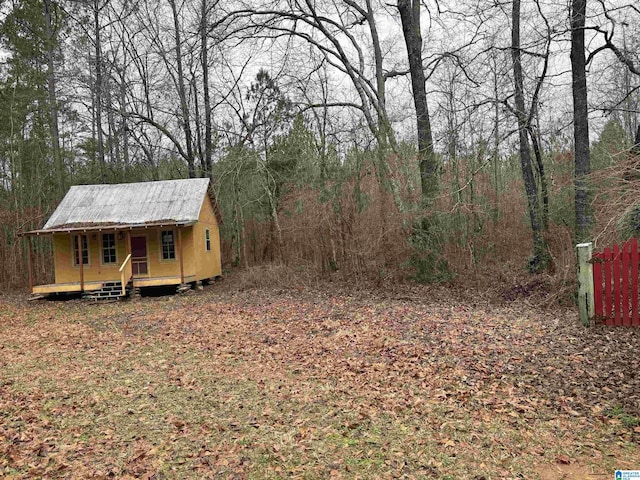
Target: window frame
x=114, y=247
x=77, y=251
x=207, y=239
x=173, y=245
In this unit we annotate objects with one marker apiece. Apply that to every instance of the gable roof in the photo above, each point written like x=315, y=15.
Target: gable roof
x=131, y=204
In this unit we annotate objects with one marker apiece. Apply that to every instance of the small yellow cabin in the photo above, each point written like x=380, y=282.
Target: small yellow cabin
x=109, y=237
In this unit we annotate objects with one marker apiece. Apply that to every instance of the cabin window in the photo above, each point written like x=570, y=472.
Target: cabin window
x=109, y=248
x=207, y=239
x=168, y=245
x=85, y=250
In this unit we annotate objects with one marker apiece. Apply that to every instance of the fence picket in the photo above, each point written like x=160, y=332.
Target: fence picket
x=616, y=286
x=624, y=305
x=634, y=280
x=597, y=284
x=607, y=286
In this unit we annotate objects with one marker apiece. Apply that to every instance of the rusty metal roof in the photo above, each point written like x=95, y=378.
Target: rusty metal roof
x=122, y=204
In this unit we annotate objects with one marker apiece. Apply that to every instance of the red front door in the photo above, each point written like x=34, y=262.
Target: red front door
x=139, y=260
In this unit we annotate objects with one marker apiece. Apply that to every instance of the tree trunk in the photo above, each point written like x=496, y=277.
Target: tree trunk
x=112, y=138
x=410, y=18
x=539, y=250
x=124, y=131
x=273, y=205
x=53, y=100
x=196, y=111
x=636, y=144
x=580, y=120
x=98, y=92
x=182, y=93
x=385, y=135
x=544, y=185
x=384, y=129
x=496, y=135
x=204, y=57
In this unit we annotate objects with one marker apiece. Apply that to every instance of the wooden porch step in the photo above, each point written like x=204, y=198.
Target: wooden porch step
x=109, y=291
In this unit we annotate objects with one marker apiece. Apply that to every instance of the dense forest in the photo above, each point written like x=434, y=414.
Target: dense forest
x=361, y=140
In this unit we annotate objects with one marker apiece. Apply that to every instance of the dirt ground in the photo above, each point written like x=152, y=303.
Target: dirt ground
x=313, y=383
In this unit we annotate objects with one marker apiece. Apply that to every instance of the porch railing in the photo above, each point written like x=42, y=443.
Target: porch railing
x=126, y=273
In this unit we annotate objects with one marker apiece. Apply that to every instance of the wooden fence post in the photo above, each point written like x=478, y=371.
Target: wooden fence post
x=585, y=283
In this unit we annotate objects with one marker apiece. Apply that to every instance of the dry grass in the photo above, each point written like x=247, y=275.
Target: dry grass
x=274, y=275
x=306, y=384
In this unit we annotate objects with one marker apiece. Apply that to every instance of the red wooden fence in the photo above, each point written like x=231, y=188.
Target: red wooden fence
x=615, y=284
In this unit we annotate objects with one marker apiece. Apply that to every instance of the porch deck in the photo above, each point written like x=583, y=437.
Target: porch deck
x=161, y=281
x=66, y=287
x=140, y=282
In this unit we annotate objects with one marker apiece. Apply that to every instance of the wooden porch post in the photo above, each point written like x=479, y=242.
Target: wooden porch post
x=29, y=262
x=127, y=247
x=181, y=252
x=81, y=261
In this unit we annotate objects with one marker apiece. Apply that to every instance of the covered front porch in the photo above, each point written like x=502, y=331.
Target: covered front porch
x=90, y=259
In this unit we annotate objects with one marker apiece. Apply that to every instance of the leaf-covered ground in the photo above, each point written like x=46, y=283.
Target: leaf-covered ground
x=312, y=384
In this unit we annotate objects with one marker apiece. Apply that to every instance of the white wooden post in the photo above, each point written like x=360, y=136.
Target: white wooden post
x=585, y=283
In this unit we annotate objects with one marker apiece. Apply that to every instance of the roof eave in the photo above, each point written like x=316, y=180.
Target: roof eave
x=99, y=228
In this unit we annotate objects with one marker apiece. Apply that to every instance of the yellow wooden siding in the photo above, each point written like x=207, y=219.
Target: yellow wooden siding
x=157, y=266
x=208, y=262
x=187, y=246
x=66, y=272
